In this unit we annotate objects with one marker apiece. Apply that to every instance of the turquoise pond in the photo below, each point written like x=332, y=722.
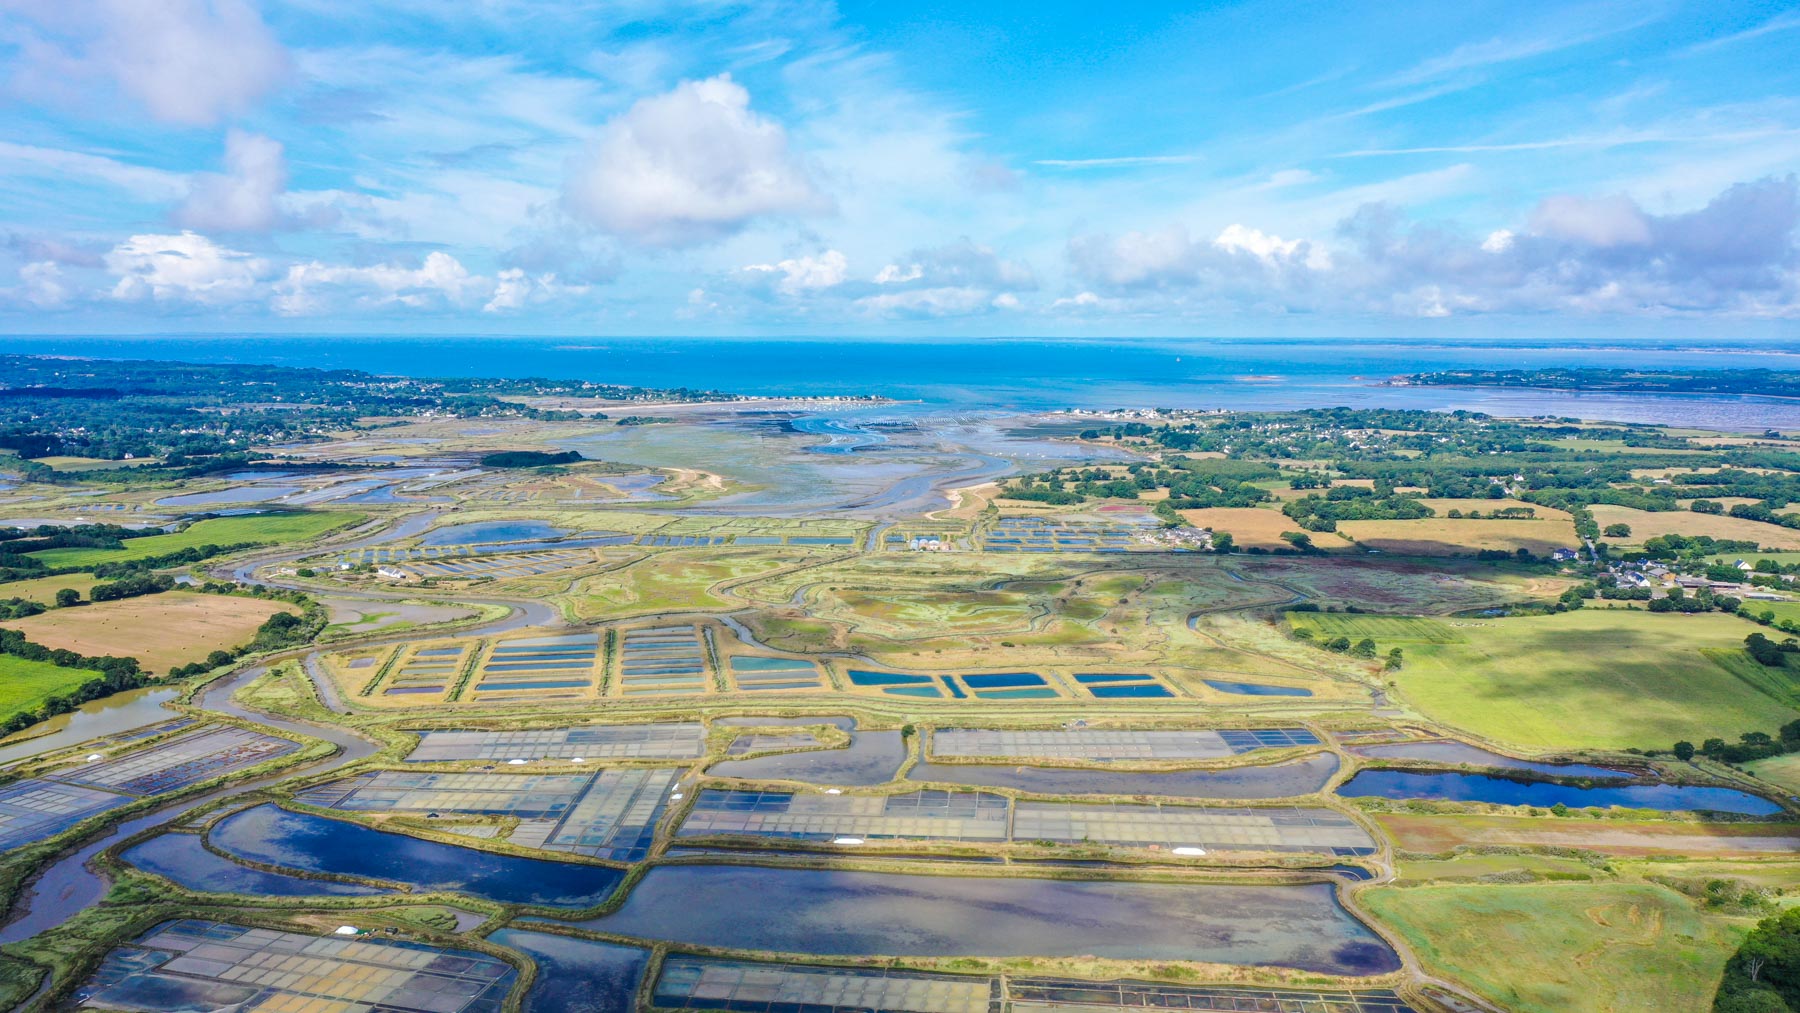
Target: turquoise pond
x=1255, y=688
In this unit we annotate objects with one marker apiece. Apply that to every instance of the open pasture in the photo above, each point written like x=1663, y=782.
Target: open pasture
x=160, y=631
x=1382, y=629
x=259, y=529
x=25, y=685
x=1603, y=678
x=1563, y=947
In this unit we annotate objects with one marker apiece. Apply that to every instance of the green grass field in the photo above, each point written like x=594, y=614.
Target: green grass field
x=1783, y=770
x=1784, y=611
x=263, y=529
x=1781, y=682
x=1603, y=678
x=1563, y=947
x=1382, y=629
x=24, y=685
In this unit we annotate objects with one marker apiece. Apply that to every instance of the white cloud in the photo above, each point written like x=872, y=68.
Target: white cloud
x=189, y=62
x=805, y=274
x=41, y=286
x=1268, y=248
x=440, y=281
x=1240, y=257
x=245, y=197
x=186, y=268
x=1600, y=222
x=690, y=166
x=949, y=301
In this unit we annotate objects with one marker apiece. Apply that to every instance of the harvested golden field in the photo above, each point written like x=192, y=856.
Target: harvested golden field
x=1254, y=527
x=1440, y=536
x=1645, y=524
x=1444, y=504
x=160, y=631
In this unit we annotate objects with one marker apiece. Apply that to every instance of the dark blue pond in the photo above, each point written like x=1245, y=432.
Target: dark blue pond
x=1403, y=784
x=182, y=859
x=317, y=844
x=578, y=974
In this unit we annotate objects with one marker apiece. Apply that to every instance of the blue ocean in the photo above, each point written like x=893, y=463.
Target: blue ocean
x=1022, y=374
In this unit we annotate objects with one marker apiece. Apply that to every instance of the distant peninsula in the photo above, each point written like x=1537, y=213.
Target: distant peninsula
x=1760, y=382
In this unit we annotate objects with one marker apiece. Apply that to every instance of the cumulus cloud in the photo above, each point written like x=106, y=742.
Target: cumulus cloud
x=687, y=167
x=797, y=275
x=184, y=268
x=188, y=62
x=246, y=196
x=192, y=270
x=440, y=282
x=960, y=279
x=41, y=286
x=1575, y=254
x=1239, y=257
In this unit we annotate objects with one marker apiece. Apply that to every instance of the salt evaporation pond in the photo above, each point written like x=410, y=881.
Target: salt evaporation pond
x=871, y=758
x=182, y=859
x=310, y=843
x=239, y=494
x=491, y=531
x=1275, y=780
x=578, y=974
x=1454, y=787
x=838, y=913
x=1445, y=751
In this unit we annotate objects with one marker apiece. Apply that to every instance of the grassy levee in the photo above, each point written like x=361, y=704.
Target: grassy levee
x=1598, y=678
x=1563, y=947
x=260, y=529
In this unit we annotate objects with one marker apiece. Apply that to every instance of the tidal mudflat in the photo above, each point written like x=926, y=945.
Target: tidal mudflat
x=871, y=758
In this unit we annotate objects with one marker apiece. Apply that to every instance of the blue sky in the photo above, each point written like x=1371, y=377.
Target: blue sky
x=936, y=168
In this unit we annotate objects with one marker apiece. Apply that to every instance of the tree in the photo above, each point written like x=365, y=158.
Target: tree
x=1617, y=531
x=1763, y=650
x=1684, y=751
x=1338, y=644
x=1365, y=648
x=1394, y=660
x=67, y=597
x=1222, y=542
